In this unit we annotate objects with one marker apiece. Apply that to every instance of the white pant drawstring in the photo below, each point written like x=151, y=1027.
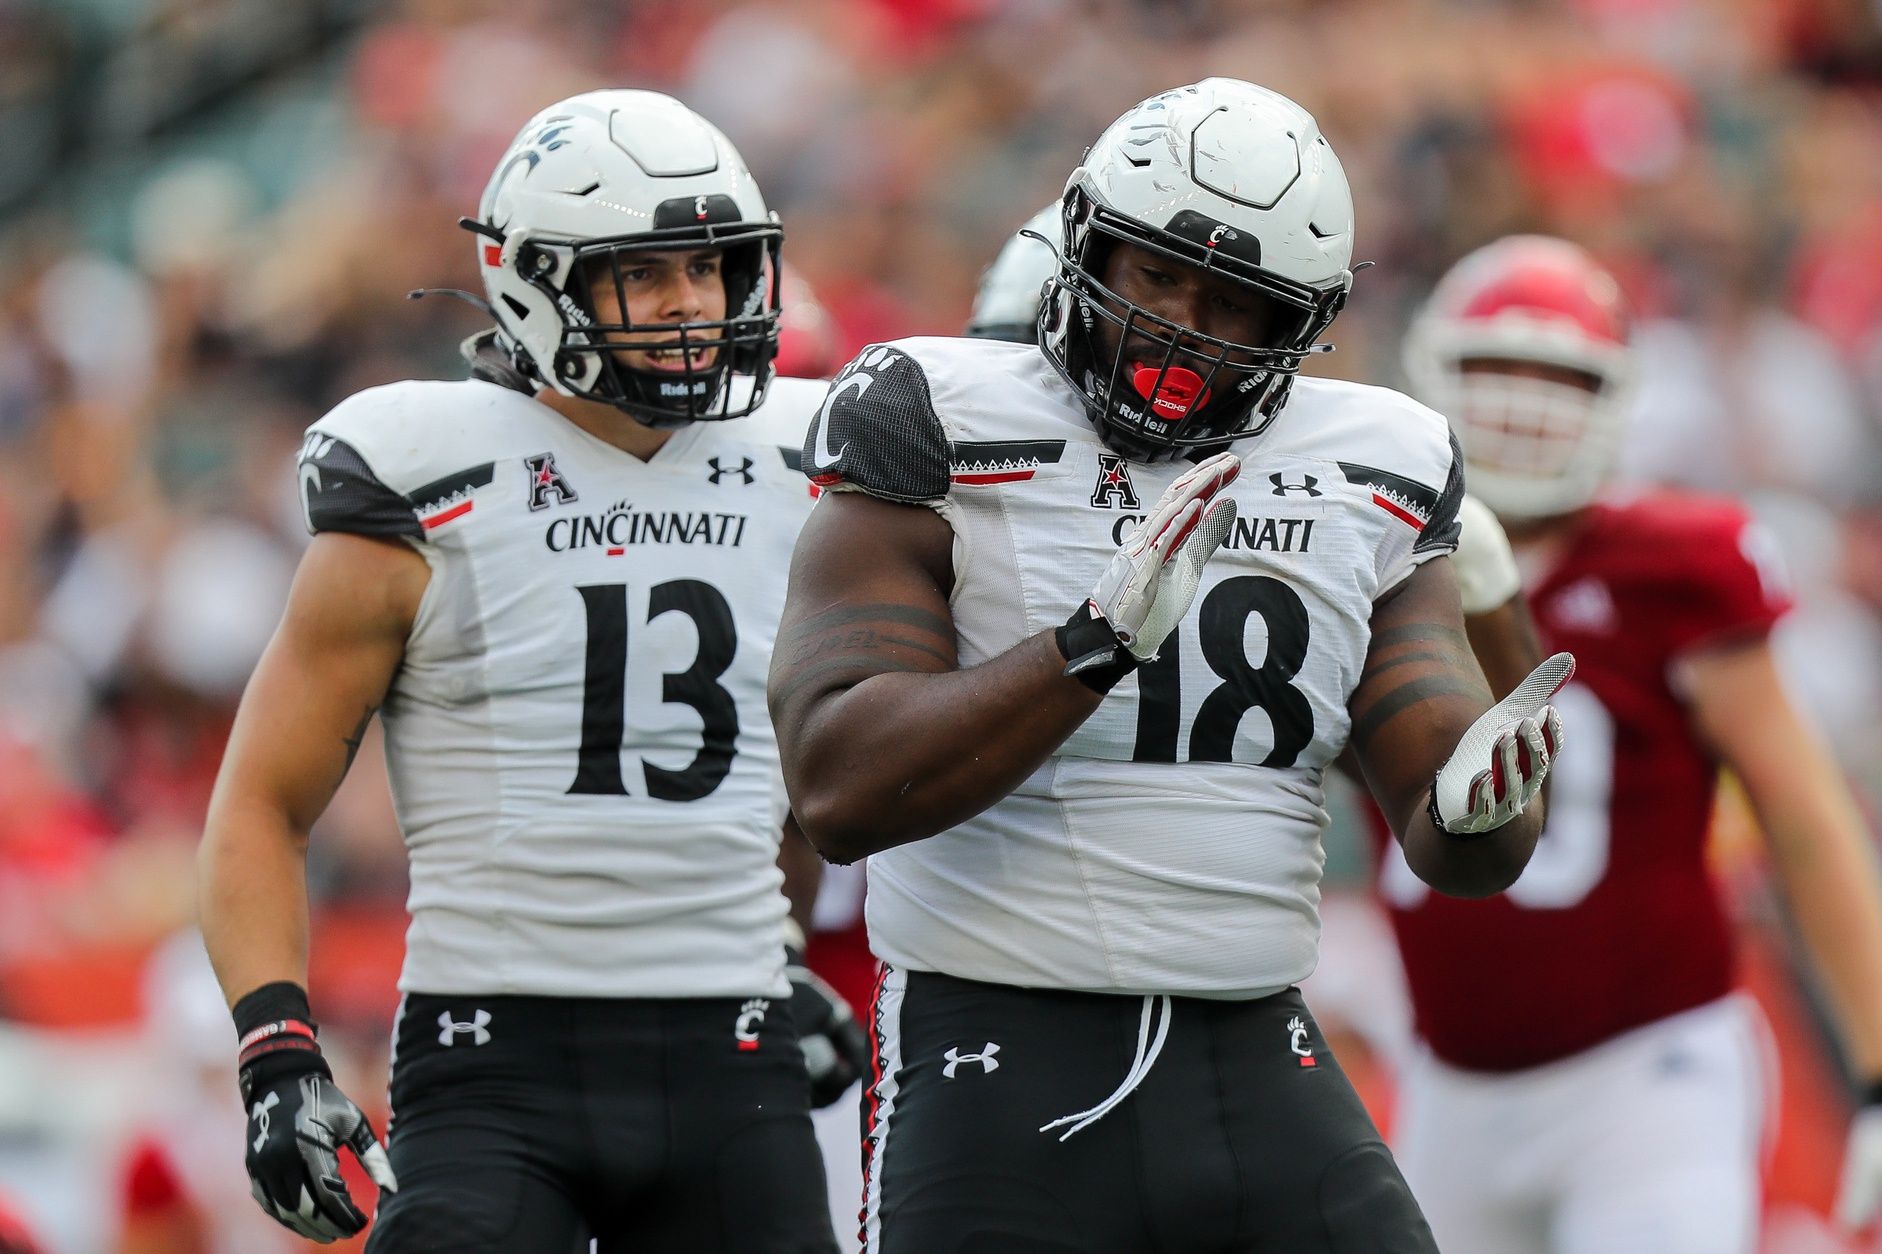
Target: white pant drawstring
x=1147, y=1051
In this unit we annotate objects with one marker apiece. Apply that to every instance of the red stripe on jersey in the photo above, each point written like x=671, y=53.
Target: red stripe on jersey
x=438, y=520
x=1398, y=511
x=996, y=476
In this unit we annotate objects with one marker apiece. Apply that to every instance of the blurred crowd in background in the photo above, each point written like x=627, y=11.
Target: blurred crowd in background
x=211, y=212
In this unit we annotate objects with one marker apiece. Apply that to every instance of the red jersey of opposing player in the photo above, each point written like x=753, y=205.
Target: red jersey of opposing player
x=1616, y=922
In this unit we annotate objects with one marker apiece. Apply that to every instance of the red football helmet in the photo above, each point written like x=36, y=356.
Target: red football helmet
x=1524, y=347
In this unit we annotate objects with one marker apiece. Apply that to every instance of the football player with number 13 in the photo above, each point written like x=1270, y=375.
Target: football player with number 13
x=558, y=582
x=1069, y=642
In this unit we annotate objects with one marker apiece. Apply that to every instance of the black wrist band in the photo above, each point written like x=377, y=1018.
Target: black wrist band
x=1093, y=654
x=271, y=1003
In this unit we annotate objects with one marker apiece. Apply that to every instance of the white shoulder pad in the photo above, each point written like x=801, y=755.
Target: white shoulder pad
x=380, y=456
x=1402, y=450
x=1486, y=568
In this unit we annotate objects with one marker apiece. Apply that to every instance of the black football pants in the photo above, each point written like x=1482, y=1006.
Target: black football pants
x=527, y=1125
x=1243, y=1136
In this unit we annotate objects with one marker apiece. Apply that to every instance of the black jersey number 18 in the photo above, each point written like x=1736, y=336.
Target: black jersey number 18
x=1244, y=687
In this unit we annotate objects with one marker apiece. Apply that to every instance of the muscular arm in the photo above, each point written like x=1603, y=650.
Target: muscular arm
x=884, y=739
x=340, y=641
x=1419, y=692
x=1819, y=847
x=1503, y=640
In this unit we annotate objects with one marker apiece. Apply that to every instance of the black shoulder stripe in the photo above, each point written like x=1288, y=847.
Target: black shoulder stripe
x=1006, y=454
x=1408, y=494
x=340, y=492
x=1432, y=513
x=1444, y=527
x=455, y=484
x=793, y=458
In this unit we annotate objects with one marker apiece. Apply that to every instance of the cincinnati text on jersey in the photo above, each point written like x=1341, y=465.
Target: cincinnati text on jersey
x=1272, y=535
x=621, y=525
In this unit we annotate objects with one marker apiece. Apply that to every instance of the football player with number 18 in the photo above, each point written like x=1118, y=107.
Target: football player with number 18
x=1597, y=1087
x=1070, y=639
x=1496, y=618
x=558, y=582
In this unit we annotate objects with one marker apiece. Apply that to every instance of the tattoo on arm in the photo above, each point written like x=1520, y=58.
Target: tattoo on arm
x=1389, y=706
x=864, y=640
x=1445, y=667
x=1435, y=634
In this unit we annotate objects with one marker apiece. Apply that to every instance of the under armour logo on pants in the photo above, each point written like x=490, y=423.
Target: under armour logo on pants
x=478, y=1028
x=985, y=1058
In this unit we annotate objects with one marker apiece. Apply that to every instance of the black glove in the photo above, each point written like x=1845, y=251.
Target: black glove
x=836, y=1049
x=298, y=1119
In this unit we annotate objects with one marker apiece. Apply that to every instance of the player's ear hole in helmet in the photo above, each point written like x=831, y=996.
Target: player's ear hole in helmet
x=594, y=192
x=1231, y=193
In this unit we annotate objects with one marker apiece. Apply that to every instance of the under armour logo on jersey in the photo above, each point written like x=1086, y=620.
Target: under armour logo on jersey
x=1114, y=490
x=260, y=1113
x=1297, y=1041
x=985, y=1058
x=545, y=480
x=718, y=470
x=751, y=1017
x=1307, y=484
x=478, y=1029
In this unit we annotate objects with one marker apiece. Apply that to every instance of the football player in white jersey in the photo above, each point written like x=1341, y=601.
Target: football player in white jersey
x=1007, y=306
x=1094, y=840
x=558, y=583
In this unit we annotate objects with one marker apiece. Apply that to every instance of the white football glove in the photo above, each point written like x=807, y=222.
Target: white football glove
x=1859, y=1198
x=1499, y=765
x=1148, y=586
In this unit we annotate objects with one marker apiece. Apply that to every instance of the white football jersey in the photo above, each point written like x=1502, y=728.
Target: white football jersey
x=577, y=739
x=1172, y=844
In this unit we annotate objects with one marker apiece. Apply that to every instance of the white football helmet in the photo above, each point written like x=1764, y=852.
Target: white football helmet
x=1534, y=447
x=591, y=181
x=1222, y=175
x=1011, y=291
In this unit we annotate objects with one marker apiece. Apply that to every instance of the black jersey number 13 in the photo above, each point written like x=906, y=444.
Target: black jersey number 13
x=604, y=690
